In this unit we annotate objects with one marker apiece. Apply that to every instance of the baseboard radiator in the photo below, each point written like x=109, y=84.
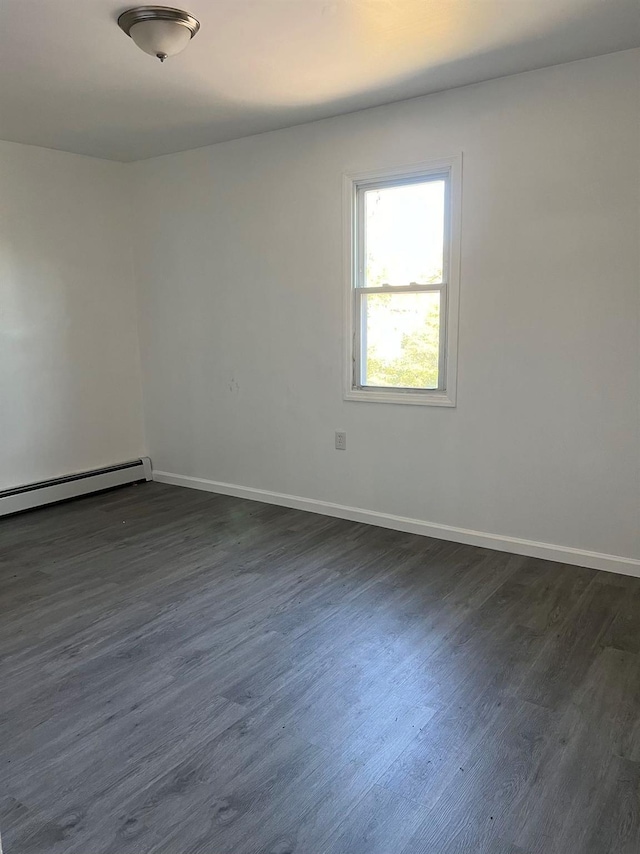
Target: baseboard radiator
x=19, y=498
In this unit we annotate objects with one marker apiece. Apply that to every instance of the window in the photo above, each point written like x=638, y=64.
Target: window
x=402, y=257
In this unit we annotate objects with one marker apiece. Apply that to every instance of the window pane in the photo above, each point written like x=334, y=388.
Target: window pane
x=404, y=234
x=402, y=339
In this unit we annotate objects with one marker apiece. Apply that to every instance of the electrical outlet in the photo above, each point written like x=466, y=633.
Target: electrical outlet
x=341, y=441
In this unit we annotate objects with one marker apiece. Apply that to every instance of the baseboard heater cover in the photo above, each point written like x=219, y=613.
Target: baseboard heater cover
x=19, y=498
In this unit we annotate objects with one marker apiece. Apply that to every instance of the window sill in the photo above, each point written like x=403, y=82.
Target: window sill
x=430, y=398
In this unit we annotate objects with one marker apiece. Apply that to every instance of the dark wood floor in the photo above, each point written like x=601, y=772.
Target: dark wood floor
x=184, y=673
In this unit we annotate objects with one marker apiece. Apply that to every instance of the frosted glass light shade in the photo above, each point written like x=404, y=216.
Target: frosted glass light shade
x=160, y=38
x=160, y=31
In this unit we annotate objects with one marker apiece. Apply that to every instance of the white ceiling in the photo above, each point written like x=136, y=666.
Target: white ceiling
x=70, y=79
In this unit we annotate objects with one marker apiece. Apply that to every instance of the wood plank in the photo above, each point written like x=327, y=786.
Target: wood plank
x=187, y=673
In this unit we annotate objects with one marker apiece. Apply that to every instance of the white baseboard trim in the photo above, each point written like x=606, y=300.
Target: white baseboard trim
x=515, y=545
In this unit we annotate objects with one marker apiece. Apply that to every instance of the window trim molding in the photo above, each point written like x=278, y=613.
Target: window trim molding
x=350, y=182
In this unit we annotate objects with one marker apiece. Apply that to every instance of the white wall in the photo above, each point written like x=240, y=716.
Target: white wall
x=240, y=288
x=69, y=362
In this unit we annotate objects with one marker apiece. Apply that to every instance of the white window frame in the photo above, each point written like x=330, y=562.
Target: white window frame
x=449, y=168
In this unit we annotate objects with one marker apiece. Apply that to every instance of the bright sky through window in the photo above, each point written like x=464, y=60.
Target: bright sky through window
x=404, y=234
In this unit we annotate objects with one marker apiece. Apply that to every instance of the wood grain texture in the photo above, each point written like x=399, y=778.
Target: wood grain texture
x=186, y=673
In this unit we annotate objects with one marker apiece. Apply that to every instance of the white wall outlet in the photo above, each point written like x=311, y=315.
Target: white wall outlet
x=341, y=440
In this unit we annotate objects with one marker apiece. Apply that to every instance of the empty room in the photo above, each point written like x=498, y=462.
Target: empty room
x=320, y=427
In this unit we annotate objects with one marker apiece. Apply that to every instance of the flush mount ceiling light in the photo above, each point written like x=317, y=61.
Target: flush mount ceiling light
x=159, y=30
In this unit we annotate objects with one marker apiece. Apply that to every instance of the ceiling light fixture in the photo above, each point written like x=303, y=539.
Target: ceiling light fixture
x=159, y=30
